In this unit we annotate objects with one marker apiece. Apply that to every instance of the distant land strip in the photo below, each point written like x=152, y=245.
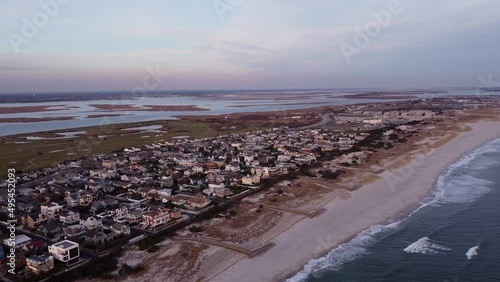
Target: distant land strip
x=149, y=108
x=9, y=120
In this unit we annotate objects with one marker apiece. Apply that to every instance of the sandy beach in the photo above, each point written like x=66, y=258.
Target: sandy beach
x=396, y=191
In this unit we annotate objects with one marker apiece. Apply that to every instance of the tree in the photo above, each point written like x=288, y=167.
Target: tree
x=393, y=137
x=195, y=229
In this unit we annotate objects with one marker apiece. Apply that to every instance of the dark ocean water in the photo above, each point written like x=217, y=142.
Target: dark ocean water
x=453, y=236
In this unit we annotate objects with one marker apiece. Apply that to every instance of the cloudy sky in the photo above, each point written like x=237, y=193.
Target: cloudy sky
x=79, y=45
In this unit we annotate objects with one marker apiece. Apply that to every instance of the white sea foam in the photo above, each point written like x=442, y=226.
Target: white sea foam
x=344, y=253
x=457, y=187
x=472, y=252
x=462, y=189
x=425, y=245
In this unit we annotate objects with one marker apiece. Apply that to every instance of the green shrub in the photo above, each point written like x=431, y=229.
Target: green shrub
x=195, y=229
x=153, y=249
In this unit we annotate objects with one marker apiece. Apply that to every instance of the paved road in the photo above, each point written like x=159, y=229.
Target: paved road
x=325, y=119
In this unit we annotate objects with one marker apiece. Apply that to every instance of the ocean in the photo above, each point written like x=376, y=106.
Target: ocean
x=453, y=235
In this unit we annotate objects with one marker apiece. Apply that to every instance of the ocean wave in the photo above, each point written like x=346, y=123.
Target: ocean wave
x=344, y=253
x=462, y=189
x=425, y=246
x=472, y=252
x=460, y=183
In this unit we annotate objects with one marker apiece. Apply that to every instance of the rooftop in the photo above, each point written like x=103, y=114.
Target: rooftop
x=66, y=244
x=39, y=259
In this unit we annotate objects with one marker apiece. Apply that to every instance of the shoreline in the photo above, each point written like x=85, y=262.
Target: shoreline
x=396, y=194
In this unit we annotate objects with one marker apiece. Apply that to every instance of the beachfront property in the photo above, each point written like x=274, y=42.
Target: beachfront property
x=250, y=180
x=39, y=264
x=155, y=218
x=65, y=251
x=91, y=223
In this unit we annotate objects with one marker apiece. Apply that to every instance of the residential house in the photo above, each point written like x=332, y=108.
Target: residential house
x=35, y=247
x=19, y=242
x=33, y=220
x=250, y=180
x=187, y=162
x=69, y=217
x=24, y=207
x=39, y=264
x=120, y=213
x=79, y=198
x=197, y=169
x=109, y=164
x=163, y=194
x=65, y=250
x=198, y=202
x=232, y=167
x=91, y=223
x=134, y=216
x=143, y=191
x=217, y=191
x=284, y=158
x=120, y=228
x=51, y=211
x=155, y=218
x=50, y=228
x=95, y=237
x=166, y=181
x=75, y=230
x=103, y=205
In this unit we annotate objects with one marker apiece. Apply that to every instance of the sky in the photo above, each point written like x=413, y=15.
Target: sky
x=95, y=45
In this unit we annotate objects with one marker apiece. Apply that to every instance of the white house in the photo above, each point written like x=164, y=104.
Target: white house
x=69, y=217
x=91, y=223
x=187, y=162
x=19, y=242
x=65, y=250
x=197, y=169
x=232, y=167
x=250, y=180
x=120, y=228
x=51, y=211
x=284, y=158
x=155, y=218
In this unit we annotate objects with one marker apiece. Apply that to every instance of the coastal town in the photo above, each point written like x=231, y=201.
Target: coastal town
x=86, y=209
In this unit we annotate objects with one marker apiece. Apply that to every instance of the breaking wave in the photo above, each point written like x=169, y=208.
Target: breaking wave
x=472, y=252
x=425, y=246
x=344, y=253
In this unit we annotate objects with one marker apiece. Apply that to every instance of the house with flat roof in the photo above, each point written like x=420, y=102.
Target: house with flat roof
x=65, y=250
x=69, y=217
x=39, y=264
x=19, y=242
